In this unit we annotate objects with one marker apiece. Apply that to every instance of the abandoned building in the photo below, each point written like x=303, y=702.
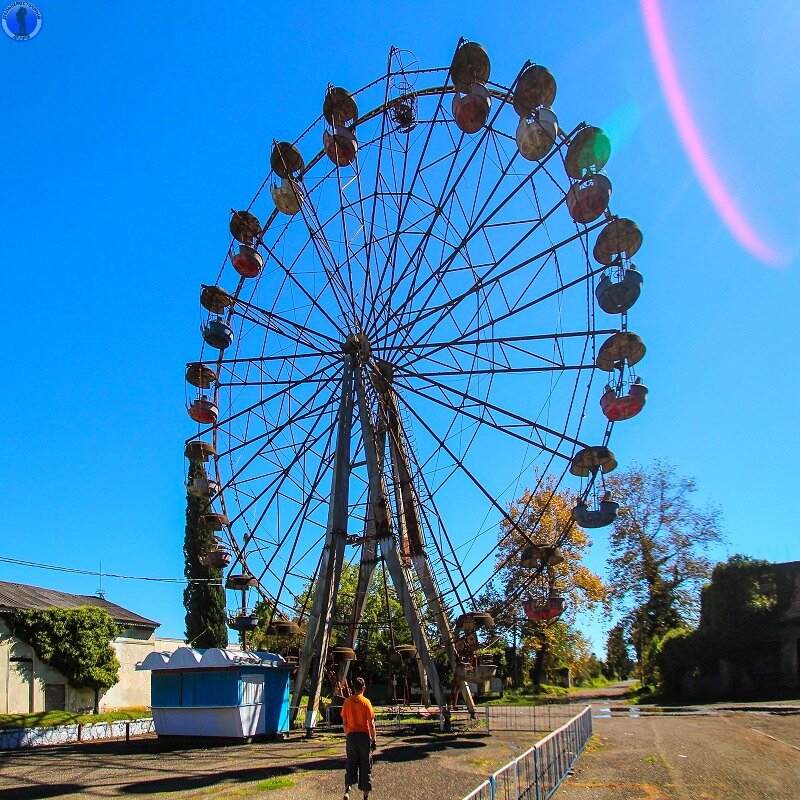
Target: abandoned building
x=29, y=685
x=754, y=655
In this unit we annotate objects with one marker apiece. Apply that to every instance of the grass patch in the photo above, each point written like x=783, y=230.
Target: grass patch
x=48, y=719
x=525, y=696
x=272, y=784
x=594, y=745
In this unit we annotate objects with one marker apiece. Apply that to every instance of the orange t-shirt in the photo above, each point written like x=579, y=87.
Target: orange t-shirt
x=357, y=713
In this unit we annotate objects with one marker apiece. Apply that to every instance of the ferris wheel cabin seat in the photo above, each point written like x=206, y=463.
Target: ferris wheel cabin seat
x=619, y=297
x=248, y=262
x=244, y=621
x=203, y=410
x=218, y=557
x=603, y=516
x=471, y=111
x=550, y=609
x=203, y=486
x=589, y=199
x=217, y=333
x=536, y=134
x=288, y=196
x=618, y=407
x=197, y=450
x=215, y=522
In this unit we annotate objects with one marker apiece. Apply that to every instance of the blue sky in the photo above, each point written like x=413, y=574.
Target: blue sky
x=129, y=136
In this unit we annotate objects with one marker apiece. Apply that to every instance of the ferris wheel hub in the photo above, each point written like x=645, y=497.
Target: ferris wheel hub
x=357, y=345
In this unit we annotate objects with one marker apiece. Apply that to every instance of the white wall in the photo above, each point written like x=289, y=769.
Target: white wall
x=22, y=682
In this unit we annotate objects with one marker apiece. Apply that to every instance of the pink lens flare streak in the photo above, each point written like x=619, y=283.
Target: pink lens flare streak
x=726, y=207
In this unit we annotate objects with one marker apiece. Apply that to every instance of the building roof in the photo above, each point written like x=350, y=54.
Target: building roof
x=20, y=596
x=186, y=658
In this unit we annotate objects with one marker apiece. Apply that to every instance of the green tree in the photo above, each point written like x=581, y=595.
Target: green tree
x=374, y=642
x=203, y=597
x=659, y=547
x=76, y=641
x=619, y=664
x=546, y=519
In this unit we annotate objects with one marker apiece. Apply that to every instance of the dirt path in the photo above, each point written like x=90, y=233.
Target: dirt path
x=729, y=756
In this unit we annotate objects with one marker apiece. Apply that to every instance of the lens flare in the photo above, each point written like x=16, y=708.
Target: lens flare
x=726, y=207
x=621, y=125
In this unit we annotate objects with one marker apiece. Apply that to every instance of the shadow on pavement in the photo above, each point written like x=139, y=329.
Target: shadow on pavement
x=417, y=752
x=187, y=783
x=36, y=792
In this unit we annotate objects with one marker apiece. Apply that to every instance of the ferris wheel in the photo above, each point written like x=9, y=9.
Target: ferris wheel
x=424, y=304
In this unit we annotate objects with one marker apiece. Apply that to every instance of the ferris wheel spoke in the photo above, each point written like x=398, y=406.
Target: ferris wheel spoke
x=298, y=284
x=510, y=341
x=462, y=467
x=273, y=322
x=278, y=480
x=223, y=421
x=328, y=260
x=487, y=281
x=369, y=229
x=419, y=474
x=443, y=311
x=448, y=191
x=390, y=265
x=483, y=402
x=269, y=439
x=506, y=429
x=479, y=223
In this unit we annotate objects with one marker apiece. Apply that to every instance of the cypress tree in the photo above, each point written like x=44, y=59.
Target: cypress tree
x=206, y=623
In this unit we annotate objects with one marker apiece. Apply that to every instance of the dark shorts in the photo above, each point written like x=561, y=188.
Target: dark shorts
x=359, y=761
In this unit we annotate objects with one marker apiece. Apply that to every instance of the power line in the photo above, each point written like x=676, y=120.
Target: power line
x=77, y=571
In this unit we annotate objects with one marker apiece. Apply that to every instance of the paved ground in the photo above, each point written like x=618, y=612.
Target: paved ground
x=655, y=756
x=423, y=767
x=727, y=756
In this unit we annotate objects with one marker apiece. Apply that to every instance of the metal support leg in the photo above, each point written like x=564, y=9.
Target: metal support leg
x=410, y=526
x=318, y=632
x=365, y=571
x=383, y=528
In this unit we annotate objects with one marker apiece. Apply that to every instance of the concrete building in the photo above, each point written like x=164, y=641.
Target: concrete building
x=29, y=685
x=768, y=662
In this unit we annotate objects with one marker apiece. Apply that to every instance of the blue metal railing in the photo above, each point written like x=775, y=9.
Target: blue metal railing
x=538, y=772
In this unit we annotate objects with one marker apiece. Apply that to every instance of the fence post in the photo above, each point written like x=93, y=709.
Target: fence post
x=536, y=773
x=486, y=709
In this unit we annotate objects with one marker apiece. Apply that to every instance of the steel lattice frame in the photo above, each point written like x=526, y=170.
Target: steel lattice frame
x=429, y=314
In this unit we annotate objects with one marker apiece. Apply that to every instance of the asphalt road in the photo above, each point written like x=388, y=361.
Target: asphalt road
x=724, y=756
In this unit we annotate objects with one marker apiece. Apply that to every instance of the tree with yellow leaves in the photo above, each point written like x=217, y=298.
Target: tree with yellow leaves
x=542, y=519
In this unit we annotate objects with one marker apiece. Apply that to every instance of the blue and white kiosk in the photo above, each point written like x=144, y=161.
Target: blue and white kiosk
x=215, y=693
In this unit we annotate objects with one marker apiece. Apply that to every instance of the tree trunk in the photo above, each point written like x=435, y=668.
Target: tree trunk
x=538, y=666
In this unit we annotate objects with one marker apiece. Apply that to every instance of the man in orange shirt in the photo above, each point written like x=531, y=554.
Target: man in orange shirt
x=359, y=725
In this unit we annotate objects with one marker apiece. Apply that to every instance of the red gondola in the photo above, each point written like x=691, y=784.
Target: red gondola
x=248, y=262
x=341, y=146
x=203, y=410
x=550, y=609
x=471, y=110
x=621, y=407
